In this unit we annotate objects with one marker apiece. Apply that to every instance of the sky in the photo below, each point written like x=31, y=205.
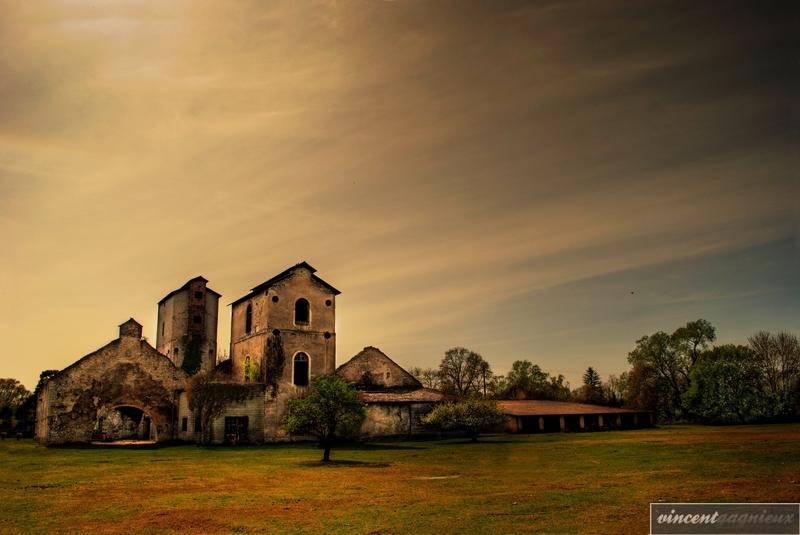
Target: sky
x=533, y=180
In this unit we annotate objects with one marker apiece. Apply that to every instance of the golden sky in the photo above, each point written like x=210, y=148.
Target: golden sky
x=496, y=174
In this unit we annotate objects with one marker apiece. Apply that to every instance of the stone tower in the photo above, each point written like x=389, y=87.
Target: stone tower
x=297, y=311
x=187, y=326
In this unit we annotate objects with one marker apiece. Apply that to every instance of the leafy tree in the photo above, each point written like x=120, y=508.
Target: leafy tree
x=469, y=415
x=525, y=380
x=209, y=394
x=726, y=387
x=657, y=354
x=12, y=395
x=694, y=338
x=460, y=372
x=646, y=389
x=330, y=406
x=557, y=389
x=671, y=357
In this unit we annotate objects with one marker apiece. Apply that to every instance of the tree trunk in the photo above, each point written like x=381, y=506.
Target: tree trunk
x=326, y=455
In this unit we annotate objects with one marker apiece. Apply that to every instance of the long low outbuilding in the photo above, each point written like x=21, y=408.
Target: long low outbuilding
x=537, y=416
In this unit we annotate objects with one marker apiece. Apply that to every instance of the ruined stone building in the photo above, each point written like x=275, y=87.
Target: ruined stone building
x=283, y=333
x=187, y=326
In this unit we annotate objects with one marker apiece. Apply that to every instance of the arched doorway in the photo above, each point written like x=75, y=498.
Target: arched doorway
x=125, y=423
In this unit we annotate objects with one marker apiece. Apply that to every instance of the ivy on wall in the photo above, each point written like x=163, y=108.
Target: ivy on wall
x=193, y=359
x=274, y=362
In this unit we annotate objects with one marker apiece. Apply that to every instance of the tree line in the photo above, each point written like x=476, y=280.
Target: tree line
x=680, y=376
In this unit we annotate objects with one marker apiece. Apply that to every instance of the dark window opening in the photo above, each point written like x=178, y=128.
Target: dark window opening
x=210, y=352
x=235, y=429
x=328, y=302
x=162, y=328
x=301, y=311
x=184, y=424
x=198, y=295
x=274, y=298
x=175, y=351
x=275, y=332
x=327, y=335
x=248, y=319
x=301, y=369
x=197, y=319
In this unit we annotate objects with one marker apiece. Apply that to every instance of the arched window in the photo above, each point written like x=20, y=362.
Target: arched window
x=300, y=375
x=248, y=319
x=301, y=312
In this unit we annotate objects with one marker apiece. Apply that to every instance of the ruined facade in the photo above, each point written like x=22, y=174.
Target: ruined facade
x=283, y=333
x=294, y=313
x=396, y=401
x=125, y=389
x=187, y=326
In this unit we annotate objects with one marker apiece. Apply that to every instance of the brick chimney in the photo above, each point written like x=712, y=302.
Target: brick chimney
x=130, y=328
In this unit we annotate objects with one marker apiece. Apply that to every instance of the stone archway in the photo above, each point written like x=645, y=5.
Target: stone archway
x=125, y=423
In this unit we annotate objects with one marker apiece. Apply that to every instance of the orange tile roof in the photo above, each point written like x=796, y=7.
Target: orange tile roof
x=538, y=407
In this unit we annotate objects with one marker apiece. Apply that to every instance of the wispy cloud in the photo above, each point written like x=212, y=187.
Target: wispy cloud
x=439, y=162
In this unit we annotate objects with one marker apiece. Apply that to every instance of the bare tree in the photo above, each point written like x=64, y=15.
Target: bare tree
x=427, y=376
x=778, y=359
x=460, y=371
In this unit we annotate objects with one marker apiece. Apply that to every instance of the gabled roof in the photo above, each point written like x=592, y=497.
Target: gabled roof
x=285, y=274
x=186, y=286
x=143, y=344
x=362, y=370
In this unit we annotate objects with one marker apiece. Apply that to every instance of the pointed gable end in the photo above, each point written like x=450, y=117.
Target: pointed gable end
x=372, y=370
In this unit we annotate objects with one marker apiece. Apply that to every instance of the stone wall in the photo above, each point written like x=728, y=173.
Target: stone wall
x=395, y=420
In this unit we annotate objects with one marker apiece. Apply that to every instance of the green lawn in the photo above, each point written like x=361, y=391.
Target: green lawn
x=554, y=483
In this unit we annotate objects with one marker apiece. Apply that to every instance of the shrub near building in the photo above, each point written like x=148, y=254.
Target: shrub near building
x=469, y=415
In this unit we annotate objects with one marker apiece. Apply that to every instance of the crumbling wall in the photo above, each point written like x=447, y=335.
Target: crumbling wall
x=395, y=419
x=128, y=372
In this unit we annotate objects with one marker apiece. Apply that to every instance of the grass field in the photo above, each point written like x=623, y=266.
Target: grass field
x=555, y=483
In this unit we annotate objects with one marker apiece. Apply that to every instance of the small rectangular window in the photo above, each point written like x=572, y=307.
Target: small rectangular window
x=184, y=424
x=198, y=295
x=197, y=319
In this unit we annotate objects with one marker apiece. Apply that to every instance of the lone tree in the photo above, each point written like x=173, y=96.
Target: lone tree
x=469, y=415
x=209, y=394
x=331, y=406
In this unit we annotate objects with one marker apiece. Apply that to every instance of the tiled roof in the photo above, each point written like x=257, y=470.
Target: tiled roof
x=420, y=395
x=537, y=407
